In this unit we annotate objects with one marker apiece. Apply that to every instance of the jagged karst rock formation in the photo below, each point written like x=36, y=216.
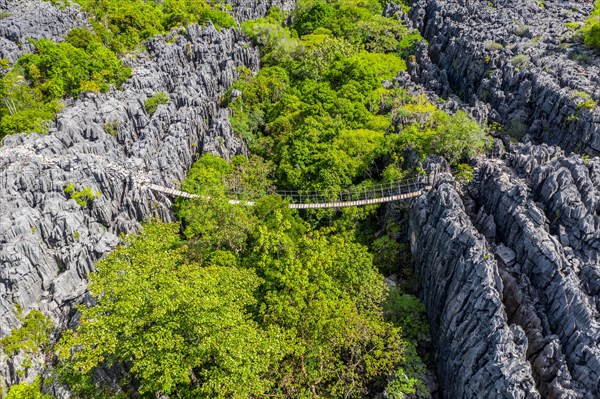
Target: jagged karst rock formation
x=251, y=9
x=545, y=209
x=510, y=266
x=110, y=143
x=478, y=353
x=22, y=20
x=537, y=208
x=519, y=251
x=515, y=56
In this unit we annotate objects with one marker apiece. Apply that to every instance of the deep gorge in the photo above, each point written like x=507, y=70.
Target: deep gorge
x=505, y=260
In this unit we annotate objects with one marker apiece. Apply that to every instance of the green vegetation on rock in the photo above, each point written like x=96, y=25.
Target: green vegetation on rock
x=591, y=30
x=81, y=63
x=123, y=24
x=82, y=197
x=584, y=100
x=152, y=103
x=33, y=336
x=520, y=61
x=32, y=90
x=28, y=391
x=30, y=340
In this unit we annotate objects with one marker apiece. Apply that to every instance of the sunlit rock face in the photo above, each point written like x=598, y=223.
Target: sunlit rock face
x=511, y=276
x=517, y=56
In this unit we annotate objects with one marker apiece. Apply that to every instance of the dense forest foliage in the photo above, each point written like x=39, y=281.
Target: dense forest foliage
x=238, y=302
x=123, y=25
x=263, y=301
x=318, y=109
x=244, y=301
x=32, y=88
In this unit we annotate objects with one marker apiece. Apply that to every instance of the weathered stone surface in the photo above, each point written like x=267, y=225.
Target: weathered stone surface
x=250, y=9
x=536, y=210
x=478, y=354
x=529, y=217
x=471, y=51
x=36, y=20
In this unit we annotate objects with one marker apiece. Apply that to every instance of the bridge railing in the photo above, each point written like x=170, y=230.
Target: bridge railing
x=382, y=190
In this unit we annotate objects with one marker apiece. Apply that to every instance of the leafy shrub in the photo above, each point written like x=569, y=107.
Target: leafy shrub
x=32, y=91
x=360, y=23
x=124, y=24
x=82, y=38
x=82, y=197
x=28, y=391
x=580, y=57
x=153, y=102
x=32, y=337
x=522, y=30
x=289, y=297
x=465, y=173
x=460, y=138
x=58, y=70
x=493, y=46
x=278, y=45
x=584, y=100
x=520, y=61
x=591, y=30
x=409, y=313
x=387, y=252
x=319, y=15
x=112, y=127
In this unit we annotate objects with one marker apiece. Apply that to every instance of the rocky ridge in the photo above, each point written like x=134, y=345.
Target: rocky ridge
x=519, y=57
x=108, y=142
x=514, y=257
x=478, y=353
x=22, y=20
x=535, y=210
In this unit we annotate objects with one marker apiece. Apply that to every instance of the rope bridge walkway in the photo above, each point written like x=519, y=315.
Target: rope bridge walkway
x=378, y=194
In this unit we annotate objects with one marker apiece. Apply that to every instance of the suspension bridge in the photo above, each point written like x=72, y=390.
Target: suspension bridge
x=356, y=196
x=377, y=194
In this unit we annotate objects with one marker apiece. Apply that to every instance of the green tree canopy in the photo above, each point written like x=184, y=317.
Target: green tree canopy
x=180, y=327
x=460, y=138
x=591, y=29
x=324, y=293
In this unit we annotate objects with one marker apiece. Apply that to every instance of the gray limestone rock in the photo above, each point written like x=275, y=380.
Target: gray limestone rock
x=529, y=222
x=478, y=353
x=543, y=206
x=519, y=57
